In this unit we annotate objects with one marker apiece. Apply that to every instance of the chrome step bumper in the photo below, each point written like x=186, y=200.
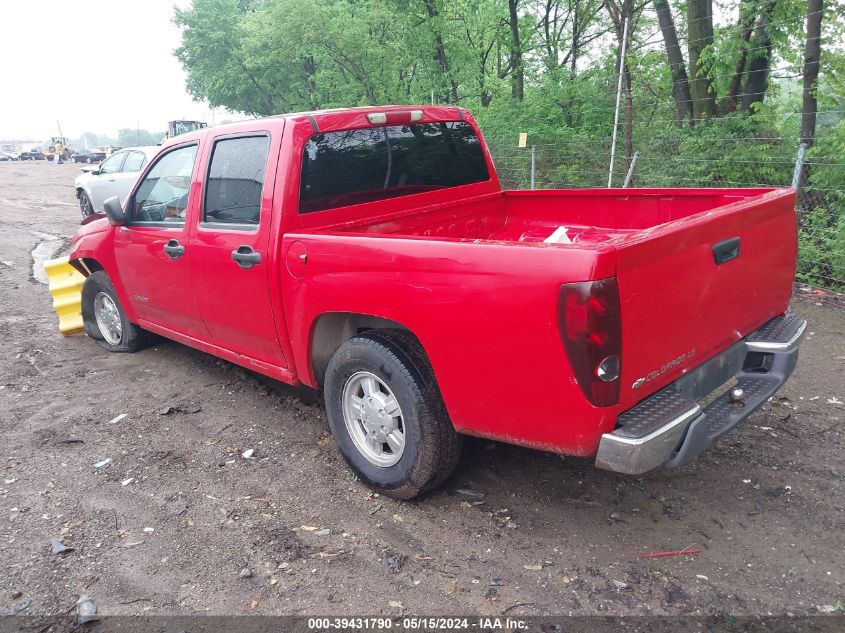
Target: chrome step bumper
x=670, y=428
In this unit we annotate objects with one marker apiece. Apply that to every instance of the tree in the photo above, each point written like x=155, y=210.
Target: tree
x=746, y=27
x=482, y=26
x=129, y=137
x=621, y=14
x=699, y=37
x=809, y=100
x=680, y=82
x=564, y=28
x=434, y=22
x=812, y=60
x=757, y=82
x=213, y=56
x=516, y=61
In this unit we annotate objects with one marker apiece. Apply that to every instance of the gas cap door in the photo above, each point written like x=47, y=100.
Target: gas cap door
x=296, y=259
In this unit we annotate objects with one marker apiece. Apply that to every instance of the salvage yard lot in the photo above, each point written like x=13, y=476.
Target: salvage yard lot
x=180, y=523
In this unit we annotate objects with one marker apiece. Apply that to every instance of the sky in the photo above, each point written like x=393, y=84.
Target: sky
x=93, y=66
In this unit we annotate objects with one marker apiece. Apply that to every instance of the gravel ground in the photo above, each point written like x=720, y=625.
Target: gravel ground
x=180, y=523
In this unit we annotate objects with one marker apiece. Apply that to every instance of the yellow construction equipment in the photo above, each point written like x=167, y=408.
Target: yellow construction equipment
x=58, y=147
x=66, y=288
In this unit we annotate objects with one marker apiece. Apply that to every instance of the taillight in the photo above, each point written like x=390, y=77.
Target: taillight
x=589, y=321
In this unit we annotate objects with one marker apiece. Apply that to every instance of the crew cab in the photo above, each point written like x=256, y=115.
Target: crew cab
x=372, y=253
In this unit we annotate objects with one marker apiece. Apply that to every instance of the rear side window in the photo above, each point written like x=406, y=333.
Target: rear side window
x=113, y=164
x=235, y=180
x=356, y=166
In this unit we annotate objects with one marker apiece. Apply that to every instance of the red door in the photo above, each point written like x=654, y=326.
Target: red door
x=152, y=251
x=230, y=263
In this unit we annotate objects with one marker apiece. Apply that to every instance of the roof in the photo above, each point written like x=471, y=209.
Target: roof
x=329, y=119
x=149, y=150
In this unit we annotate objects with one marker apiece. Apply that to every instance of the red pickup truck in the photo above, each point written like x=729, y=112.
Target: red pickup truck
x=373, y=254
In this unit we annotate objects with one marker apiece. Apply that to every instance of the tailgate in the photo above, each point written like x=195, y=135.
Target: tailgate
x=679, y=306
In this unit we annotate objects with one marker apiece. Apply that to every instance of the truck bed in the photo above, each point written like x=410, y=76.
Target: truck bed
x=679, y=305
x=585, y=217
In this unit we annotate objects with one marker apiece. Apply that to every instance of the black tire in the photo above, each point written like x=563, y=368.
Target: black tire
x=85, y=205
x=89, y=160
x=432, y=447
x=132, y=338
x=73, y=159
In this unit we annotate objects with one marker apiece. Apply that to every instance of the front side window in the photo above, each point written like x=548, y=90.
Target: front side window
x=162, y=195
x=356, y=166
x=112, y=164
x=235, y=180
x=134, y=161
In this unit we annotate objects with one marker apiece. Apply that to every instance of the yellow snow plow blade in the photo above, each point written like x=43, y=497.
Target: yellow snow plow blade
x=66, y=288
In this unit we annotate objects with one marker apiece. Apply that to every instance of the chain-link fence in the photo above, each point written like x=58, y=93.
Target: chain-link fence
x=671, y=160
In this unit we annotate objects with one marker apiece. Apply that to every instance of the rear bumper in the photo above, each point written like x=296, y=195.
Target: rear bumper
x=670, y=427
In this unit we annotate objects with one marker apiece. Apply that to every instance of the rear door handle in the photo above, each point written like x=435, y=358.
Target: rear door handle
x=174, y=249
x=726, y=250
x=245, y=256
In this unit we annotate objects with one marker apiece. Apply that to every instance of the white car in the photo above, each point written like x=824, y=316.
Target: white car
x=113, y=177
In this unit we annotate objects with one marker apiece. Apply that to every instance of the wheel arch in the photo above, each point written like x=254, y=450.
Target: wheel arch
x=86, y=265
x=331, y=329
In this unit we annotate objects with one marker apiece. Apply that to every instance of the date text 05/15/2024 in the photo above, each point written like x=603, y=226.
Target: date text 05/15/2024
x=411, y=623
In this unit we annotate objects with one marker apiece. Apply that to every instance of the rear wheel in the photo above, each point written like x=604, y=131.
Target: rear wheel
x=104, y=318
x=387, y=416
x=85, y=205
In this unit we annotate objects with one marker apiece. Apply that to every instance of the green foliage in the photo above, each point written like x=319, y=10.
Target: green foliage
x=730, y=151
x=213, y=48
x=270, y=56
x=90, y=139
x=821, y=249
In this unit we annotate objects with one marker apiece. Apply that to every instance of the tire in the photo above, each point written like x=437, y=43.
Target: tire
x=98, y=292
x=85, y=205
x=73, y=159
x=397, y=366
x=89, y=160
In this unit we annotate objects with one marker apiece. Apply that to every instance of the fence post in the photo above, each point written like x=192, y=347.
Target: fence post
x=799, y=166
x=618, y=97
x=797, y=175
x=533, y=164
x=630, y=175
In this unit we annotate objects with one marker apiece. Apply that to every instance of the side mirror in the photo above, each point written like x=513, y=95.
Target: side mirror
x=114, y=211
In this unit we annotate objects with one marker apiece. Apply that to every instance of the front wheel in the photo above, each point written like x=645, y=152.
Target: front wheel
x=387, y=415
x=104, y=318
x=85, y=205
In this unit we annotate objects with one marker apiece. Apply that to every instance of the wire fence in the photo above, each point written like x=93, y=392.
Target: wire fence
x=668, y=160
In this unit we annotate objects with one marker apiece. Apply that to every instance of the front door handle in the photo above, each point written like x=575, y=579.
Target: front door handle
x=245, y=256
x=174, y=249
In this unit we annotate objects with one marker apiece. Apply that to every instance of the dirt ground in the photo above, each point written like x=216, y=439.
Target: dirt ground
x=180, y=523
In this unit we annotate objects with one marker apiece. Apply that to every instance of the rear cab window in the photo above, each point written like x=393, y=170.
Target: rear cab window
x=364, y=165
